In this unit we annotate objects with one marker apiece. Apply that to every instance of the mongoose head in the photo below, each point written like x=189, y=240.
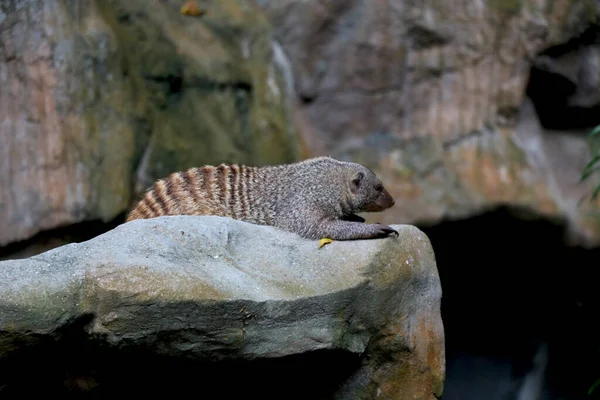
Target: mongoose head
x=367, y=192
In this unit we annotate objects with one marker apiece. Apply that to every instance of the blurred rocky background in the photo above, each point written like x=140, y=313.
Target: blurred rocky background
x=475, y=113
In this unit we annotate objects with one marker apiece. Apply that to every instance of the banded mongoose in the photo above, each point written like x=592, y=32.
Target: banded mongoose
x=315, y=198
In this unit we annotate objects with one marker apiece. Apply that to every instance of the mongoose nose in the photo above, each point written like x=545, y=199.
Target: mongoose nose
x=393, y=201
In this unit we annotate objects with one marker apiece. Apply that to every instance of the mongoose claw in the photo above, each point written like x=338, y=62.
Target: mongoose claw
x=384, y=230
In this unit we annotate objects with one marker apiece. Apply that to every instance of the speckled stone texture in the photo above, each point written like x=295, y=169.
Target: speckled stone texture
x=216, y=289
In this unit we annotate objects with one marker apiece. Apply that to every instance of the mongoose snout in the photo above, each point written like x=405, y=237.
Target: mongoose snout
x=383, y=202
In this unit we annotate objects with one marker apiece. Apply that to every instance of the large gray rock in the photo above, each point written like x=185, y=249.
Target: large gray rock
x=210, y=289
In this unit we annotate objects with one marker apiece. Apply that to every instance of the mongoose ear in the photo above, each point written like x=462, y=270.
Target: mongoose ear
x=356, y=180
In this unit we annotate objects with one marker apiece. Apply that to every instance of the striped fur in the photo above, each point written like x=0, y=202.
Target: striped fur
x=314, y=198
x=221, y=190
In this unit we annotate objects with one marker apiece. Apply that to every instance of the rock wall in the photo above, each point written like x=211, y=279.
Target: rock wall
x=433, y=96
x=461, y=107
x=100, y=98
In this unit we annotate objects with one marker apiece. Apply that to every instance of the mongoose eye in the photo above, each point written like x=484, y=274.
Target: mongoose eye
x=379, y=188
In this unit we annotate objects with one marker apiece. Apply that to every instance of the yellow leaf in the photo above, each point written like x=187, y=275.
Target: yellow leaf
x=324, y=241
x=190, y=8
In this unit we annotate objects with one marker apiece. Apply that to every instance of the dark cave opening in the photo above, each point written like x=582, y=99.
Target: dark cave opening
x=509, y=288
x=549, y=93
x=553, y=84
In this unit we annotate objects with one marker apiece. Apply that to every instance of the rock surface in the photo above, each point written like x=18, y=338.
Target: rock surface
x=200, y=289
x=101, y=98
x=431, y=95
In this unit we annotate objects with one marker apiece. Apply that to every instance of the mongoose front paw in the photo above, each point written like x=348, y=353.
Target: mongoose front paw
x=384, y=230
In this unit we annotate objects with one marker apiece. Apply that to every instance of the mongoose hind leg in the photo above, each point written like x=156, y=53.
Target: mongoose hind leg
x=349, y=230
